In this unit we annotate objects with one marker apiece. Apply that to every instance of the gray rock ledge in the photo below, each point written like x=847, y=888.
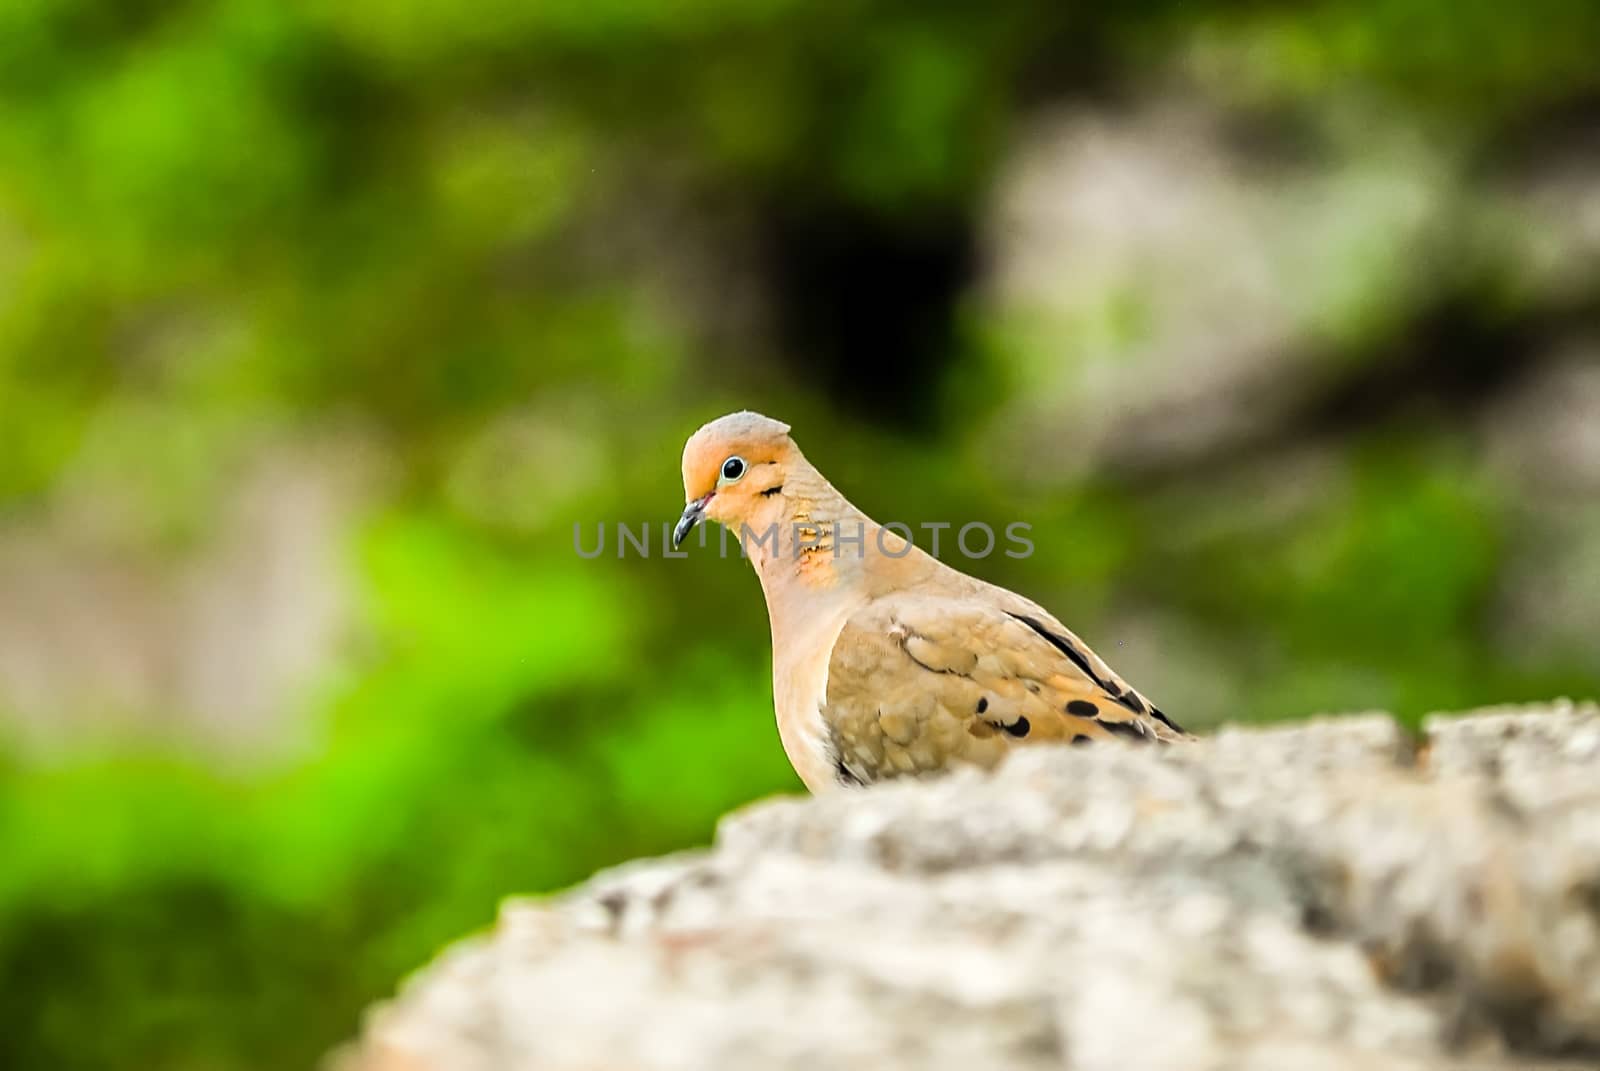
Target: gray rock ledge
x=1336, y=894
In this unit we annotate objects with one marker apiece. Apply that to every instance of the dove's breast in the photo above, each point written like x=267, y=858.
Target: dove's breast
x=801, y=649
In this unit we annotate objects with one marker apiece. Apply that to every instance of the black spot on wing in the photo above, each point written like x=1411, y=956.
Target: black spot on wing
x=1083, y=708
x=1125, y=728
x=1019, y=728
x=983, y=704
x=1079, y=659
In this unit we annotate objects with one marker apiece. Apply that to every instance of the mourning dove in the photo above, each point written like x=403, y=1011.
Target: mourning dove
x=885, y=661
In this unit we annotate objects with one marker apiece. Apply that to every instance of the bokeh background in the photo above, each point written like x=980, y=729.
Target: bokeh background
x=322, y=322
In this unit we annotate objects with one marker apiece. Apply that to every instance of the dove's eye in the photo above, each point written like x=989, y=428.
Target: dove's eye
x=732, y=469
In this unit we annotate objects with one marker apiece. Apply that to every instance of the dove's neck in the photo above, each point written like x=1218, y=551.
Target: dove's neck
x=809, y=548
x=811, y=571
x=821, y=554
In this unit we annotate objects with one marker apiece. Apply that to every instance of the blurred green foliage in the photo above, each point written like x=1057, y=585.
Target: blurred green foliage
x=474, y=751
x=226, y=223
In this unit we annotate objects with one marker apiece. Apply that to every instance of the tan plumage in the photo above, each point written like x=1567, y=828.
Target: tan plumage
x=885, y=661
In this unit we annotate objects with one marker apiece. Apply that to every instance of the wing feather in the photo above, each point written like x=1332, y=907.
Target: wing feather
x=917, y=683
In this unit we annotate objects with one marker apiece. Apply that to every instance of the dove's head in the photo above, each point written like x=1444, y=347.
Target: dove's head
x=733, y=469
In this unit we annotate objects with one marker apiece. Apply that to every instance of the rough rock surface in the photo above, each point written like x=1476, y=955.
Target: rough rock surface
x=1333, y=895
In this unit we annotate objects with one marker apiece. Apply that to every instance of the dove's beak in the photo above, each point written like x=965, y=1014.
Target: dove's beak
x=693, y=514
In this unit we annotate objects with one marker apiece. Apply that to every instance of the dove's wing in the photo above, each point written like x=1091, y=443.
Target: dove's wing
x=918, y=681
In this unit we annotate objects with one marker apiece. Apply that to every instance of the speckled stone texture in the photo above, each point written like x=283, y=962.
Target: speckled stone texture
x=1337, y=894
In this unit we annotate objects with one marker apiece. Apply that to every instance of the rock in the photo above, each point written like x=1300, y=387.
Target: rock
x=1331, y=895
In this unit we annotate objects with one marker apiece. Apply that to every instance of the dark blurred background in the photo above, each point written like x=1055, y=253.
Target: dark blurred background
x=322, y=322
